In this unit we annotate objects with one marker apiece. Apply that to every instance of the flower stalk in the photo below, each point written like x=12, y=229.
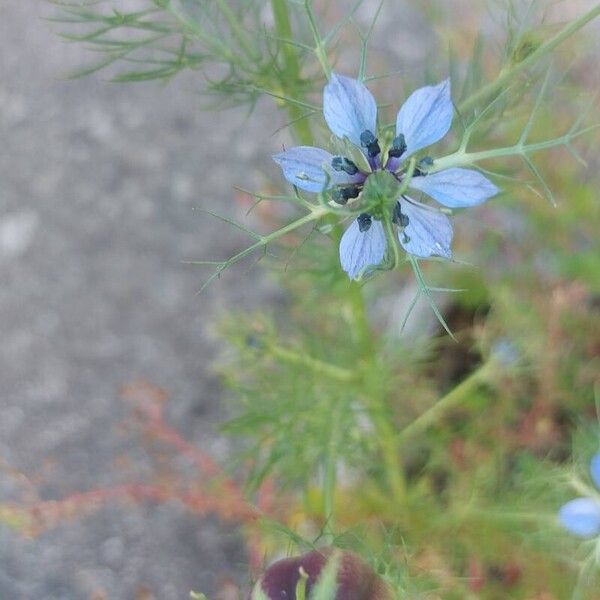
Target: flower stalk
x=450, y=401
x=283, y=28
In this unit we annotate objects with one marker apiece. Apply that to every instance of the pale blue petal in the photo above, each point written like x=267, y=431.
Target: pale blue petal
x=304, y=167
x=349, y=108
x=456, y=188
x=362, y=249
x=581, y=517
x=428, y=233
x=425, y=117
x=595, y=469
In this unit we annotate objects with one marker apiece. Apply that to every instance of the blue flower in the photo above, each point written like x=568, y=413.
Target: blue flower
x=351, y=113
x=582, y=516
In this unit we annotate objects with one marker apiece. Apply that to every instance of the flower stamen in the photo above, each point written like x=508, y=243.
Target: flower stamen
x=398, y=147
x=364, y=222
x=341, y=195
x=370, y=142
x=398, y=217
x=340, y=163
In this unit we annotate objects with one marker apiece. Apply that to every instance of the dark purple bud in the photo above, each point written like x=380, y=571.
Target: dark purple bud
x=356, y=580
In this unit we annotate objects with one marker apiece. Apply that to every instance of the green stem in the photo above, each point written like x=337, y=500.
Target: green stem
x=320, y=49
x=391, y=237
x=192, y=27
x=375, y=404
x=389, y=447
x=318, y=367
x=408, y=175
x=360, y=320
x=237, y=30
x=451, y=400
x=504, y=77
x=386, y=433
x=462, y=158
x=356, y=304
x=330, y=475
x=291, y=70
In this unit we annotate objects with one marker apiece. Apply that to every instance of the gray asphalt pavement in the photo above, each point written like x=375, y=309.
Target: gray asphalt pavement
x=98, y=185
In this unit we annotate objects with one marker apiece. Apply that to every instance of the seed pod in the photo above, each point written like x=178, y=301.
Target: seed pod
x=346, y=574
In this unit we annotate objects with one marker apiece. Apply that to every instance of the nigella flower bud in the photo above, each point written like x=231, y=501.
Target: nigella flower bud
x=505, y=353
x=355, y=579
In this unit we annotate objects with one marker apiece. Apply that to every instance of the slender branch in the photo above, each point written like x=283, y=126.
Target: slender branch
x=320, y=48
x=315, y=365
x=505, y=77
x=461, y=158
x=330, y=474
x=263, y=241
x=237, y=30
x=451, y=400
x=283, y=27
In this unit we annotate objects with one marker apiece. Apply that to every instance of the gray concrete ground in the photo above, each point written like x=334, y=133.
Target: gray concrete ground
x=98, y=183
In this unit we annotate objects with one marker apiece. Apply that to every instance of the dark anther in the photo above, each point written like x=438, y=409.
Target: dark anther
x=367, y=137
x=369, y=141
x=399, y=217
x=254, y=341
x=350, y=192
x=338, y=197
x=423, y=166
x=342, y=195
x=364, y=222
x=398, y=146
x=339, y=163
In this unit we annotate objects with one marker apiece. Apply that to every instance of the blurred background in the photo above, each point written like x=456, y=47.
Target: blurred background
x=99, y=186
x=99, y=183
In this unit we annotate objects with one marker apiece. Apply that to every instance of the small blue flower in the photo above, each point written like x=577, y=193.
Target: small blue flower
x=351, y=112
x=582, y=516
